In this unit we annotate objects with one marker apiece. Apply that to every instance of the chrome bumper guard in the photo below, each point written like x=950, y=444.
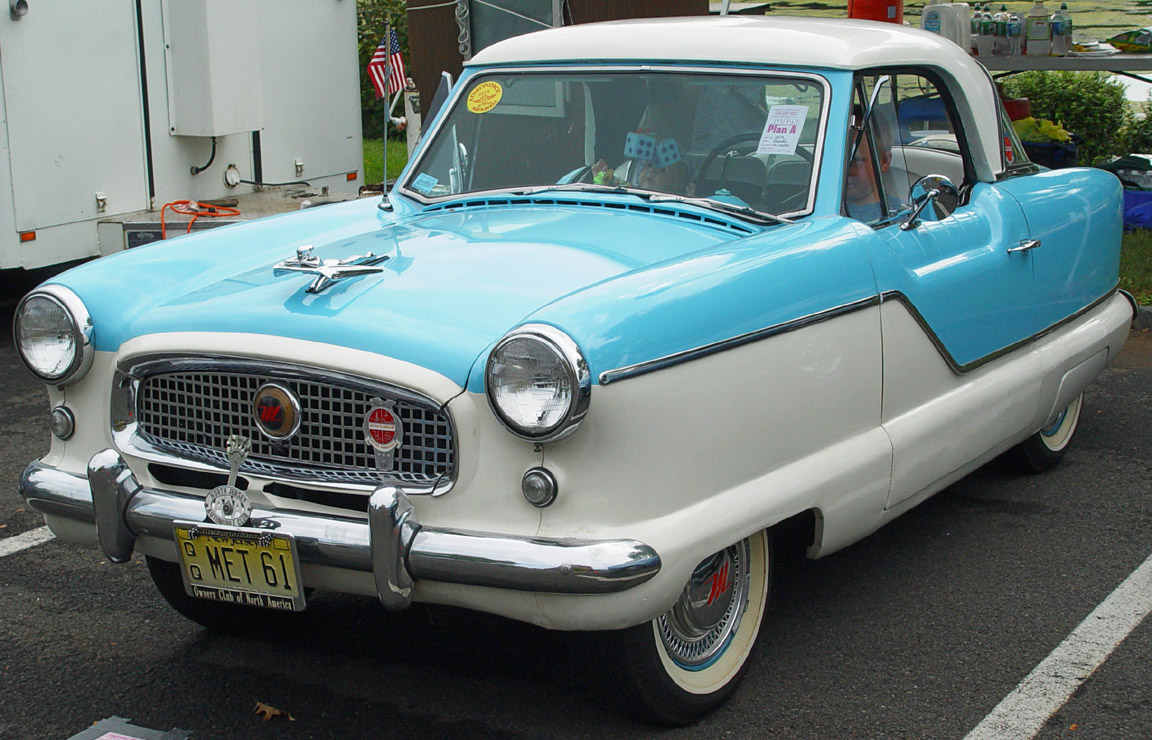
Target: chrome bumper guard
x=391, y=544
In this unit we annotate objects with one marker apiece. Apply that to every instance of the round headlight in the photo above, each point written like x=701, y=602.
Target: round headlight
x=53, y=334
x=538, y=383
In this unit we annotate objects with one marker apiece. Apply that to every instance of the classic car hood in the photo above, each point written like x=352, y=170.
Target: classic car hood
x=455, y=281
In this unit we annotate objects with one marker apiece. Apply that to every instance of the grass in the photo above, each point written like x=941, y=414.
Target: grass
x=373, y=159
x=1136, y=265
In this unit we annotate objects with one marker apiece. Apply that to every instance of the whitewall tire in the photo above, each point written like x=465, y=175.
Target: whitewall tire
x=690, y=659
x=1045, y=448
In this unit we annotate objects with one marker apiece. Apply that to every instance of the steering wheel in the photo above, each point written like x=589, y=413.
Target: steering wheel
x=724, y=147
x=732, y=144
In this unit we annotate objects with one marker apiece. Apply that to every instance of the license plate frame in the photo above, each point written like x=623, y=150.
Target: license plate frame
x=239, y=572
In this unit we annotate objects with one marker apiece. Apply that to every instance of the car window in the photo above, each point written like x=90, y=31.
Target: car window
x=1012, y=150
x=910, y=133
x=747, y=139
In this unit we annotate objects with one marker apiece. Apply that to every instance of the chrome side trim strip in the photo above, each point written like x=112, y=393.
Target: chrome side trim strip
x=895, y=295
x=1069, y=319
x=660, y=363
x=642, y=368
x=390, y=543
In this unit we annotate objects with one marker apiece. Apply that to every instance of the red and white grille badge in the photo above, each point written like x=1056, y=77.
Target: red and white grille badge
x=384, y=431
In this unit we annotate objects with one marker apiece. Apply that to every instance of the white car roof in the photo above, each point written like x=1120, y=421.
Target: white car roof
x=830, y=43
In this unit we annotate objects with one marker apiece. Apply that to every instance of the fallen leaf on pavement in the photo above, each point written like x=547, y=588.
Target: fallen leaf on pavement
x=268, y=712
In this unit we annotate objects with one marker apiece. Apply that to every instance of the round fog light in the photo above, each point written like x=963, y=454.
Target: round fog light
x=62, y=422
x=539, y=487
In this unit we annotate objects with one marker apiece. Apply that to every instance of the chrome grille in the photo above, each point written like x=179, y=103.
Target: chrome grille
x=191, y=414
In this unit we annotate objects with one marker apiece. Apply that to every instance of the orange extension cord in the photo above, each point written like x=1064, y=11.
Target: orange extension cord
x=194, y=209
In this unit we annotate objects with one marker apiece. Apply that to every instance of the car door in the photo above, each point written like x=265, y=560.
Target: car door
x=957, y=292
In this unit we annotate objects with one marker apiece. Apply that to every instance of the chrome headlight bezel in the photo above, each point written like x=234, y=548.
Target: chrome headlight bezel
x=577, y=374
x=80, y=328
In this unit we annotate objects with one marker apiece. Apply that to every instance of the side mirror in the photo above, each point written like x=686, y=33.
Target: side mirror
x=935, y=190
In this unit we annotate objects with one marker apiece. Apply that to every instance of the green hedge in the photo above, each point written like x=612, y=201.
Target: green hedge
x=1090, y=104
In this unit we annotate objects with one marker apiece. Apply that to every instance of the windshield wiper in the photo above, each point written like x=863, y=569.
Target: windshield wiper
x=535, y=189
x=583, y=187
x=652, y=197
x=656, y=197
x=718, y=205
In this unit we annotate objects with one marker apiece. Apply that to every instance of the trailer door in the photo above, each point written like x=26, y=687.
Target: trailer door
x=72, y=99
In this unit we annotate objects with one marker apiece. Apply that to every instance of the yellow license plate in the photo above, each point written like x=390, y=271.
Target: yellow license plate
x=236, y=565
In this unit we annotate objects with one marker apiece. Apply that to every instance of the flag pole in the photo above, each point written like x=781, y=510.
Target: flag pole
x=387, y=77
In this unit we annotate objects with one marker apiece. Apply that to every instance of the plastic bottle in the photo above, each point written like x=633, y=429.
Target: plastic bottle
x=987, y=32
x=950, y=20
x=1061, y=31
x=1000, y=43
x=1039, y=30
x=930, y=20
x=975, y=25
x=1015, y=35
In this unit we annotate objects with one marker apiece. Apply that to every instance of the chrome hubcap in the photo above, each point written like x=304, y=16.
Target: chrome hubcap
x=698, y=627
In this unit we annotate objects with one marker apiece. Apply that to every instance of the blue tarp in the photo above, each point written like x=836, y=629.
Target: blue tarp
x=1138, y=209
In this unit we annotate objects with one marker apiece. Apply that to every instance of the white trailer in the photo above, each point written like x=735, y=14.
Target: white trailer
x=112, y=109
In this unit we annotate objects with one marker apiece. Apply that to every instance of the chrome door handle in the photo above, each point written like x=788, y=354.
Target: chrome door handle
x=1025, y=245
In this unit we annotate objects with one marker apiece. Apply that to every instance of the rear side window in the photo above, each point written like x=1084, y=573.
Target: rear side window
x=1011, y=149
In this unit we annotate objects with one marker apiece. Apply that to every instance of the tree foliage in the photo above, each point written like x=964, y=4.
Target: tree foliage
x=1090, y=104
x=373, y=16
x=1139, y=133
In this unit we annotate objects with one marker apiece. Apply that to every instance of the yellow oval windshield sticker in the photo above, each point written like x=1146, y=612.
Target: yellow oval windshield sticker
x=484, y=97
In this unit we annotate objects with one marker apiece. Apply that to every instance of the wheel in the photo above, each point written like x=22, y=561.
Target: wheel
x=234, y=619
x=690, y=659
x=1044, y=449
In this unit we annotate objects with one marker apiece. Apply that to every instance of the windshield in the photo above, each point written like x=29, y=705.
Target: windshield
x=748, y=140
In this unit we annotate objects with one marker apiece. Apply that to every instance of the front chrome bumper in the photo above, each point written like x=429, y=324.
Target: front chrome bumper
x=391, y=544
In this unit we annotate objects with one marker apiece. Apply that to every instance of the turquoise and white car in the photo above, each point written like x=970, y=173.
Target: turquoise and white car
x=646, y=291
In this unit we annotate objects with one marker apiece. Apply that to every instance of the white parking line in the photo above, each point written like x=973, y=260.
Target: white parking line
x=23, y=541
x=1023, y=712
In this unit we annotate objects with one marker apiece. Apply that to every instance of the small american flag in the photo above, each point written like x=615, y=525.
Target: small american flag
x=385, y=83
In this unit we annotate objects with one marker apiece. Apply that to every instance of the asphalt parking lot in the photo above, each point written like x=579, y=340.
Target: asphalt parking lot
x=917, y=632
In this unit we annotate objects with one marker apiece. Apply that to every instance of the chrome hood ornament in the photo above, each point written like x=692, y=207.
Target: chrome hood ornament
x=227, y=504
x=328, y=272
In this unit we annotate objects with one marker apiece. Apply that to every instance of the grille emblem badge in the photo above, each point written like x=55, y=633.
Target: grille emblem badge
x=227, y=504
x=276, y=411
x=383, y=431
